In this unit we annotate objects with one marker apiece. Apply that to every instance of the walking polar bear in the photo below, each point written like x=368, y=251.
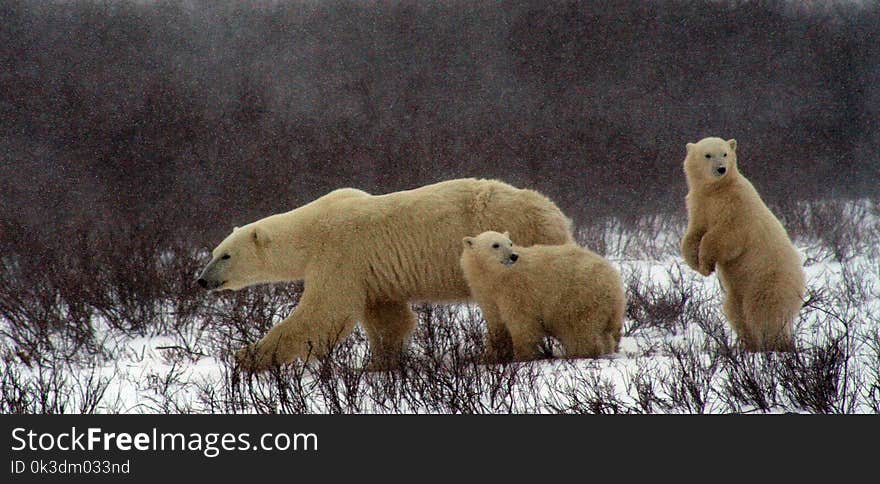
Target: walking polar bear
x=365, y=257
x=731, y=230
x=563, y=291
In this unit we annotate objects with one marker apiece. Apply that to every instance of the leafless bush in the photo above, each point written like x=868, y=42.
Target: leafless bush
x=652, y=235
x=89, y=388
x=690, y=382
x=41, y=393
x=50, y=388
x=872, y=384
x=586, y=391
x=655, y=305
x=644, y=386
x=751, y=382
x=442, y=373
x=834, y=229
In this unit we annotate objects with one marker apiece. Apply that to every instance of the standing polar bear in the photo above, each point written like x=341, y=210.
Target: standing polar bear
x=364, y=258
x=731, y=230
x=563, y=291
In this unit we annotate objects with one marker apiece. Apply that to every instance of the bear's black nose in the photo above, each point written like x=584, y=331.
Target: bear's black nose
x=514, y=257
x=202, y=282
x=721, y=170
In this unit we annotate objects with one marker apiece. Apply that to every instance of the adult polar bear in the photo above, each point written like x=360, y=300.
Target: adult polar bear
x=364, y=258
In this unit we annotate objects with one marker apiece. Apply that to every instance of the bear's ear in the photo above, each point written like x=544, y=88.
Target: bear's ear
x=468, y=242
x=506, y=234
x=732, y=144
x=690, y=146
x=260, y=237
x=234, y=229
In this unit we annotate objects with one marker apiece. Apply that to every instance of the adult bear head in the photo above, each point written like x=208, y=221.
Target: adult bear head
x=277, y=248
x=239, y=261
x=253, y=255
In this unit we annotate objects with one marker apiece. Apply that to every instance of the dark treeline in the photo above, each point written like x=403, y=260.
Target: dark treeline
x=216, y=113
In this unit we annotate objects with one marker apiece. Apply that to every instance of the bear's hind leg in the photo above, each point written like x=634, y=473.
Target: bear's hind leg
x=586, y=346
x=770, y=315
x=589, y=336
x=736, y=317
x=388, y=326
x=311, y=331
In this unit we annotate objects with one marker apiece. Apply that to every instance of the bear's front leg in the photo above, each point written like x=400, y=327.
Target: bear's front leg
x=499, y=347
x=280, y=345
x=707, y=257
x=525, y=335
x=311, y=331
x=717, y=246
x=690, y=248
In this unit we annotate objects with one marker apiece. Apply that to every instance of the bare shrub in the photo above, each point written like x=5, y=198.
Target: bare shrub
x=586, y=391
x=835, y=229
x=751, y=382
x=690, y=381
x=652, y=304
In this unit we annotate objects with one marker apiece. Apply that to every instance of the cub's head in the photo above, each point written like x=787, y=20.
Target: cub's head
x=239, y=261
x=710, y=160
x=491, y=247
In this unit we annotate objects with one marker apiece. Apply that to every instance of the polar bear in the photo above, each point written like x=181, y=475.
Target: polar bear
x=731, y=229
x=364, y=258
x=563, y=291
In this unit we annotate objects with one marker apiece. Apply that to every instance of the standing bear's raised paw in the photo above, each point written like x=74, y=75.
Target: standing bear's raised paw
x=693, y=261
x=705, y=269
x=690, y=250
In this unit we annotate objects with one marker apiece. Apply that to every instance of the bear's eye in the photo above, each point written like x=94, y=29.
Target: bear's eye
x=225, y=256
x=495, y=245
x=725, y=155
x=708, y=156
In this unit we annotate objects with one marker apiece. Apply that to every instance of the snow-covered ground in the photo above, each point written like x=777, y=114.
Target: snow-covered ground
x=675, y=357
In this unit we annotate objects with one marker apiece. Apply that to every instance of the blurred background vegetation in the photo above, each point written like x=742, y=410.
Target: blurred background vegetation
x=187, y=118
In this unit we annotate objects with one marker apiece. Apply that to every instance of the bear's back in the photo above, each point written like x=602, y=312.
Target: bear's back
x=409, y=242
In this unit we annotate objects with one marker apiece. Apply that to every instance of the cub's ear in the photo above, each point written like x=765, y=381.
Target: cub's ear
x=234, y=229
x=732, y=144
x=467, y=242
x=690, y=146
x=506, y=234
x=260, y=237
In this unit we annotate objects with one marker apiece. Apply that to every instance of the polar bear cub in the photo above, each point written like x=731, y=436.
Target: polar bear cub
x=563, y=291
x=732, y=232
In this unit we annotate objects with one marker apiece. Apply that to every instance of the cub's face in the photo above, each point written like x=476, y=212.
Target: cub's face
x=239, y=261
x=710, y=159
x=492, y=247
